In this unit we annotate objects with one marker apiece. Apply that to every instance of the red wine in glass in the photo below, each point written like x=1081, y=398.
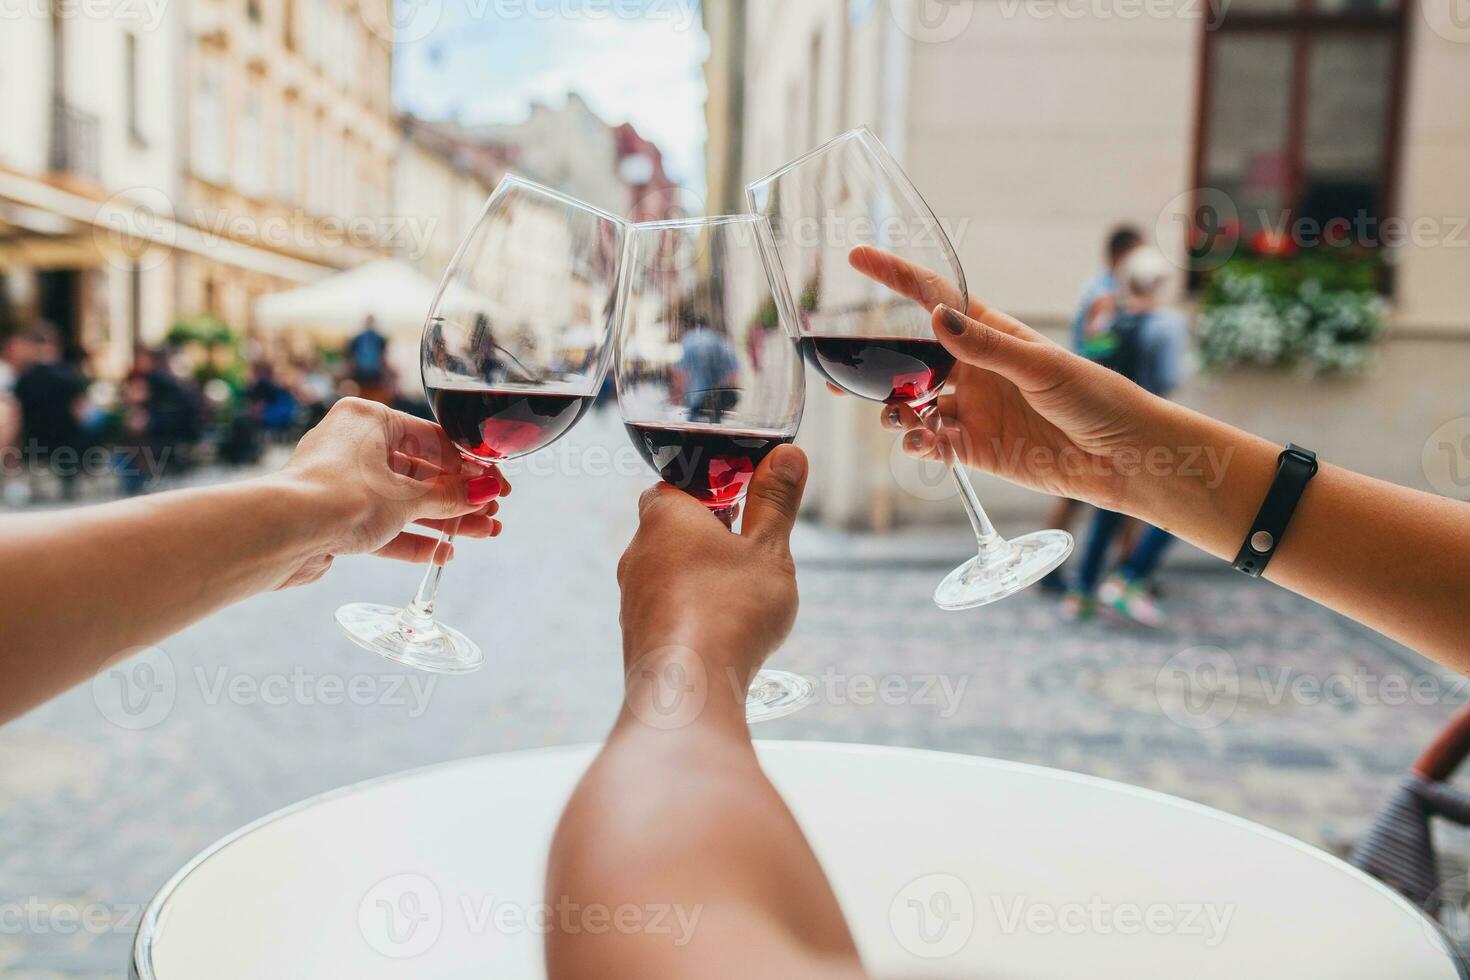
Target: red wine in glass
x=883, y=369
x=711, y=463
x=501, y=423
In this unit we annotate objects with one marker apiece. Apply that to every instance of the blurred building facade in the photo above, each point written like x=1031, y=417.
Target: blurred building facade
x=291, y=139
x=1031, y=128
x=168, y=160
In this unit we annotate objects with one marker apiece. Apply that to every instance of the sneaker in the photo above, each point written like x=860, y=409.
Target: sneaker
x=1132, y=601
x=1078, y=608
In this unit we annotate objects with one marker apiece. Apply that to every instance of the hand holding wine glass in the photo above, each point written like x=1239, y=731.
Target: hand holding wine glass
x=710, y=379
x=513, y=353
x=690, y=588
x=1023, y=408
x=849, y=197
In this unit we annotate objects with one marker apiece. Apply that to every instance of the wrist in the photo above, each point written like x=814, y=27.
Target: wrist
x=312, y=514
x=1201, y=479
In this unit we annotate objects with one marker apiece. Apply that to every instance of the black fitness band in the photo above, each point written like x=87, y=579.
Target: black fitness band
x=1294, y=470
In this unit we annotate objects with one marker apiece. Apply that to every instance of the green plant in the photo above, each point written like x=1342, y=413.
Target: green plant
x=218, y=352
x=1316, y=313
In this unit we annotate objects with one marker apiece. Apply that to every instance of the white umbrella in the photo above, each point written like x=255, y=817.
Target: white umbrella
x=392, y=291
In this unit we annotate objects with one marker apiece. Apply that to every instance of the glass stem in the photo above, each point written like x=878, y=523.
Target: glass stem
x=422, y=607
x=990, y=545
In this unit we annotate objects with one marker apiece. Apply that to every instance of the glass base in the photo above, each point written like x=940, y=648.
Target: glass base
x=776, y=694
x=976, y=583
x=406, y=639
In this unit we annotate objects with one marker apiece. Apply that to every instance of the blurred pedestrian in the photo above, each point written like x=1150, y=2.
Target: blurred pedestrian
x=1094, y=313
x=367, y=362
x=1149, y=341
x=163, y=422
x=705, y=373
x=49, y=392
x=270, y=403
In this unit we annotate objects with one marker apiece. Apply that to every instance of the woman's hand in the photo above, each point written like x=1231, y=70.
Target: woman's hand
x=368, y=471
x=692, y=588
x=1023, y=408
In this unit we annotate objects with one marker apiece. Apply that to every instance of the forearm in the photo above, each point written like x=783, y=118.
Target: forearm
x=675, y=814
x=1395, y=559
x=82, y=586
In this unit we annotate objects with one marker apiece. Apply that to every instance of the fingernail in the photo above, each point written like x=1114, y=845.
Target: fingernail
x=893, y=416
x=952, y=320
x=482, y=490
x=914, y=439
x=790, y=466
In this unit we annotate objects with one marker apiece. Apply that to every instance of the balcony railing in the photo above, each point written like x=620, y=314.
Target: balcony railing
x=75, y=139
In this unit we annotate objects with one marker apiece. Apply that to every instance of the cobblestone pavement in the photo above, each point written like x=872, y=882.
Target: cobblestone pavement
x=1253, y=701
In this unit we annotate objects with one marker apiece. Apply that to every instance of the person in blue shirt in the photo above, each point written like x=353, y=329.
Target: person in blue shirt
x=706, y=373
x=1091, y=339
x=1149, y=344
x=1099, y=290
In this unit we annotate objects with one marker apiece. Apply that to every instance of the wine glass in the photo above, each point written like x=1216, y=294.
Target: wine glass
x=515, y=348
x=875, y=344
x=709, y=375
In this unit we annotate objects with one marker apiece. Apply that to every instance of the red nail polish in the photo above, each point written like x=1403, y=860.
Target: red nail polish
x=482, y=490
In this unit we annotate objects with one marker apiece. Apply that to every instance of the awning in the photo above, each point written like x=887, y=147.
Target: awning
x=391, y=291
x=51, y=227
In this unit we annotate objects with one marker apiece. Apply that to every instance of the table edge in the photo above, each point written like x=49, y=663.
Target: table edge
x=141, y=967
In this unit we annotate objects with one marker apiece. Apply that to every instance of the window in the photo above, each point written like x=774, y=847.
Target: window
x=207, y=135
x=249, y=161
x=130, y=89
x=1299, y=108
x=288, y=164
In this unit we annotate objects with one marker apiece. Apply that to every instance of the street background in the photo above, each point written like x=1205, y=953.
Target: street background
x=111, y=788
x=183, y=182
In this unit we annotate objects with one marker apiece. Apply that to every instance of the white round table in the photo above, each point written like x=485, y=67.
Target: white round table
x=945, y=865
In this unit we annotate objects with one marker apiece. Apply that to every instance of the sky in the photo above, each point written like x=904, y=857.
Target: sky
x=486, y=61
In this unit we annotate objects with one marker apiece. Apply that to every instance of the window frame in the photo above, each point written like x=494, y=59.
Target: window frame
x=1304, y=26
